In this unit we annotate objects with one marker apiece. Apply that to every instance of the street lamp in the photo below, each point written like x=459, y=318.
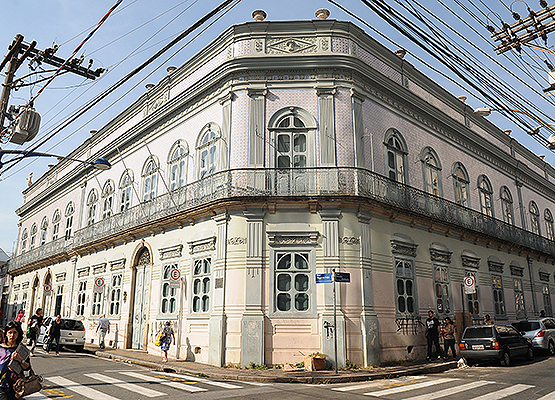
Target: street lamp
x=100, y=163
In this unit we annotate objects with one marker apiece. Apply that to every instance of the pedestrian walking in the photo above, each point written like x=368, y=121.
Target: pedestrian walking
x=13, y=337
x=103, y=328
x=35, y=323
x=488, y=320
x=167, y=339
x=19, y=316
x=449, y=338
x=432, y=335
x=54, y=333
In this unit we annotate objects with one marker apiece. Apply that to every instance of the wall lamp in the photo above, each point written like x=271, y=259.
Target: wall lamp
x=100, y=163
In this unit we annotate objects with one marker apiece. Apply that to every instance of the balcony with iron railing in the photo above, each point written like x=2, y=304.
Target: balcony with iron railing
x=290, y=184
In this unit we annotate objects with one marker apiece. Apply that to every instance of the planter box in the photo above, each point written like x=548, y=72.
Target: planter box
x=314, y=364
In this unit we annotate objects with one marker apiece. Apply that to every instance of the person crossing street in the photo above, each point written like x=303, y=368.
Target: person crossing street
x=104, y=328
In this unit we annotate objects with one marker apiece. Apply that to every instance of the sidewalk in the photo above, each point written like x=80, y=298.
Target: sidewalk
x=270, y=375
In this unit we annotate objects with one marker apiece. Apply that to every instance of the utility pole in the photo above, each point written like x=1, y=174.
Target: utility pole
x=534, y=26
x=47, y=56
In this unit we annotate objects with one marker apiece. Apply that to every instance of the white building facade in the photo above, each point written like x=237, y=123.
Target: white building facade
x=280, y=151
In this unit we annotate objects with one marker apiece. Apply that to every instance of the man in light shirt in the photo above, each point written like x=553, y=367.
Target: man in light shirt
x=104, y=327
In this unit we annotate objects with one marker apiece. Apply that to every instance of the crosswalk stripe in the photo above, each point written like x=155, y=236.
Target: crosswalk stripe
x=126, y=385
x=549, y=396
x=499, y=394
x=175, y=385
x=407, y=388
x=207, y=381
x=256, y=383
x=355, y=387
x=37, y=396
x=452, y=390
x=81, y=389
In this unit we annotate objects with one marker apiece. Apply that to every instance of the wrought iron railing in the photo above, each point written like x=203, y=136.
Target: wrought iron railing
x=322, y=181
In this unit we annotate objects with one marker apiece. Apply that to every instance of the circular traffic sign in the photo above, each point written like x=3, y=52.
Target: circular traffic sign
x=99, y=282
x=175, y=274
x=469, y=281
x=47, y=287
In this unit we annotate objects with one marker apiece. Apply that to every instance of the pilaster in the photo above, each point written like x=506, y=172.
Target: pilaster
x=226, y=103
x=327, y=124
x=256, y=126
x=358, y=128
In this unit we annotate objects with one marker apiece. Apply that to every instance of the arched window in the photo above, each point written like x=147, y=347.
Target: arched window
x=150, y=170
x=70, y=209
x=125, y=186
x=431, y=168
x=548, y=224
x=33, y=241
x=92, y=200
x=461, y=184
x=507, y=206
x=107, y=199
x=177, y=163
x=24, y=237
x=207, y=150
x=56, y=218
x=486, y=195
x=43, y=230
x=396, y=156
x=534, y=217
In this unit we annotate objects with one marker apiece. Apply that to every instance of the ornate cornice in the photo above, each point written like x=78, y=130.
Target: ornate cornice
x=202, y=245
x=293, y=238
x=236, y=241
x=84, y=271
x=99, y=268
x=495, y=265
x=171, y=251
x=350, y=240
x=117, y=264
x=403, y=245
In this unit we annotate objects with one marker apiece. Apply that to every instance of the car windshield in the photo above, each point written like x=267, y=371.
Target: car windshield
x=526, y=326
x=477, y=333
x=72, y=324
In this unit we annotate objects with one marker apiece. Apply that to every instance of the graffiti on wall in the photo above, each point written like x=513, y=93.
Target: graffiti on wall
x=409, y=325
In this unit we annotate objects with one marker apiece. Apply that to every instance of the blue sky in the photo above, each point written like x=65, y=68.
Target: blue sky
x=67, y=22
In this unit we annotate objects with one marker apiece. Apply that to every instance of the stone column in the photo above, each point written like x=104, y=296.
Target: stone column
x=252, y=321
x=521, y=204
x=217, y=328
x=330, y=246
x=326, y=125
x=368, y=318
x=530, y=263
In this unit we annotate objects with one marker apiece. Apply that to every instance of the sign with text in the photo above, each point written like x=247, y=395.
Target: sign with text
x=323, y=278
x=343, y=277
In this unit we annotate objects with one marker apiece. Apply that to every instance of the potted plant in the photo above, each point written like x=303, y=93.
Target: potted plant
x=315, y=361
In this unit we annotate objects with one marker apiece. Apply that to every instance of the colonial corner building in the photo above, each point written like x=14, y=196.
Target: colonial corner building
x=280, y=151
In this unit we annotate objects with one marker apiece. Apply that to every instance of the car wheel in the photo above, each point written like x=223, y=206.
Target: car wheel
x=530, y=354
x=505, y=359
x=80, y=348
x=551, y=348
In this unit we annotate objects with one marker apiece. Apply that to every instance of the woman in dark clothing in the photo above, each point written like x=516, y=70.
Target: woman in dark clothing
x=449, y=338
x=54, y=334
x=13, y=336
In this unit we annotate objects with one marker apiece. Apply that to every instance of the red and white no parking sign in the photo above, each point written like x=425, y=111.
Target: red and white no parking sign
x=469, y=285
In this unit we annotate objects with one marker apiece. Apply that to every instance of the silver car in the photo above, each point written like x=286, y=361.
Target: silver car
x=72, y=333
x=541, y=331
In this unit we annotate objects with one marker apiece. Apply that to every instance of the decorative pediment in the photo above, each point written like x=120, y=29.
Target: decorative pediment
x=174, y=251
x=292, y=234
x=291, y=45
x=198, y=246
x=470, y=259
x=99, y=268
x=60, y=277
x=516, y=269
x=440, y=253
x=495, y=264
x=25, y=285
x=403, y=245
x=117, y=264
x=82, y=272
x=16, y=287
x=544, y=275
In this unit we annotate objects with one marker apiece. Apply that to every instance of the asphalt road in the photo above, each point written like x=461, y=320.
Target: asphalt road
x=81, y=376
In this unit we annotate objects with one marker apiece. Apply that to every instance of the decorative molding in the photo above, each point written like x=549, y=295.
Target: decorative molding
x=351, y=240
x=516, y=270
x=291, y=45
x=154, y=104
x=495, y=265
x=544, y=275
x=82, y=272
x=25, y=285
x=174, y=251
x=403, y=245
x=293, y=238
x=470, y=259
x=99, y=268
x=60, y=277
x=257, y=91
x=259, y=46
x=117, y=264
x=198, y=246
x=325, y=90
x=236, y=241
x=16, y=287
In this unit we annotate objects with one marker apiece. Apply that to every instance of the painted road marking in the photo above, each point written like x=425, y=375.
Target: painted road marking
x=126, y=385
x=175, y=385
x=407, y=388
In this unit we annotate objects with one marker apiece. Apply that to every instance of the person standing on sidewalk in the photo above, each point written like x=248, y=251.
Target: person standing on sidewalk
x=54, y=333
x=104, y=328
x=19, y=316
x=167, y=339
x=449, y=338
x=35, y=323
x=432, y=335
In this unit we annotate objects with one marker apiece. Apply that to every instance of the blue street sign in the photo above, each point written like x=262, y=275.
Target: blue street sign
x=342, y=277
x=323, y=278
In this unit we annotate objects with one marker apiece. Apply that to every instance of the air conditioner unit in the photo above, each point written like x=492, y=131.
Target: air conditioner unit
x=26, y=126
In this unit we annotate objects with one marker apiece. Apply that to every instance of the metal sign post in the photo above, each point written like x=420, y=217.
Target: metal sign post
x=334, y=322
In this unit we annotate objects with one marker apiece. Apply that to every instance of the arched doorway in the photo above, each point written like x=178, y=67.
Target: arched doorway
x=140, y=301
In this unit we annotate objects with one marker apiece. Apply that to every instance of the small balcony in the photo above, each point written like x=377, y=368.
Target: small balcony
x=283, y=185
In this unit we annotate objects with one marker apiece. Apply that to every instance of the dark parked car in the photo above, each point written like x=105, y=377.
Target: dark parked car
x=494, y=342
x=540, y=331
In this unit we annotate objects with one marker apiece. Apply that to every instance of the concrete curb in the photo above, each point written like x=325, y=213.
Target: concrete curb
x=322, y=377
